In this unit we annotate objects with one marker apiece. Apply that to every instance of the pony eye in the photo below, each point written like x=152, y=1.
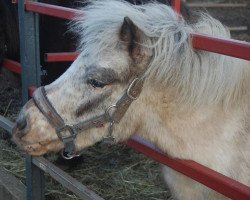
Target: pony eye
x=96, y=84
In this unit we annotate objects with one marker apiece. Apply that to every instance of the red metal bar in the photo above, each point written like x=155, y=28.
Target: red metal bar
x=176, y=4
x=52, y=10
x=228, y=47
x=12, y=66
x=198, y=172
x=60, y=57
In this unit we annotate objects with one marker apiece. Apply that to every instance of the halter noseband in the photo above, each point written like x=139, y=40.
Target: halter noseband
x=67, y=133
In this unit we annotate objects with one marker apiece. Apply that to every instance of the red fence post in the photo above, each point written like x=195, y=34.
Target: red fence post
x=176, y=4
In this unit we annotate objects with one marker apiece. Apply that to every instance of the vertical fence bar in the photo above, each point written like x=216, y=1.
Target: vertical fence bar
x=34, y=181
x=29, y=49
x=30, y=62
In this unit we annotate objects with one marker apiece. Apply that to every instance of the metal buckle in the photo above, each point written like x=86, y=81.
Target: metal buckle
x=66, y=139
x=70, y=129
x=129, y=93
x=108, y=109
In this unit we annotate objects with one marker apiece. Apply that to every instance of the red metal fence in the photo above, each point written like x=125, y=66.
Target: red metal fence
x=200, y=173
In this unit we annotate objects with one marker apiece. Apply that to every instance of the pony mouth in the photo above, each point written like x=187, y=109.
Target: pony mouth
x=31, y=149
x=34, y=149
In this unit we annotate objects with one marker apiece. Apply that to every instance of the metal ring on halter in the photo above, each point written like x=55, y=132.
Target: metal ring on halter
x=108, y=109
x=68, y=156
x=129, y=88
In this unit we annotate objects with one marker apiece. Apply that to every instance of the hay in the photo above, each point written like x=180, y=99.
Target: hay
x=117, y=172
x=113, y=172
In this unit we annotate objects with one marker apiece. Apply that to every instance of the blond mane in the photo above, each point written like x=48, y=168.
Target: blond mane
x=200, y=77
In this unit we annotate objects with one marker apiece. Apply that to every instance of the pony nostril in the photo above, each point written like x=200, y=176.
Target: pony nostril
x=21, y=123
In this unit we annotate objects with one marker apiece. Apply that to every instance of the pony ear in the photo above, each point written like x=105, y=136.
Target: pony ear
x=131, y=36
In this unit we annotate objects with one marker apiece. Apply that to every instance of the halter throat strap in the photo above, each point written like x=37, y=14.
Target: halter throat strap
x=67, y=133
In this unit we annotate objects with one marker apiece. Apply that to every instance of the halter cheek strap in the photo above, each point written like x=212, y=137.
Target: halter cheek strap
x=67, y=133
x=44, y=105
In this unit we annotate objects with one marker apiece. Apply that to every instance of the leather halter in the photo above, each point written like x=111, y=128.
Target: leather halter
x=67, y=133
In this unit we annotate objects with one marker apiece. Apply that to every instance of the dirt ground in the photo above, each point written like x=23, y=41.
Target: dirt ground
x=113, y=172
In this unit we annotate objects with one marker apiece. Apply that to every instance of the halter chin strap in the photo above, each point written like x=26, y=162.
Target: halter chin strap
x=67, y=133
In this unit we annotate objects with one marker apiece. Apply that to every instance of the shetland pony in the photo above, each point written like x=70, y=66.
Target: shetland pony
x=192, y=104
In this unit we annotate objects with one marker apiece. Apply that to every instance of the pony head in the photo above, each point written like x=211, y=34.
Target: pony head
x=111, y=57
x=131, y=58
